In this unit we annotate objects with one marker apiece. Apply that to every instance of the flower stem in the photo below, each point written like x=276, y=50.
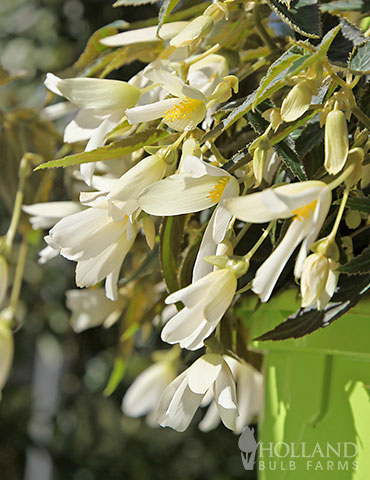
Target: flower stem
x=337, y=181
x=259, y=242
x=241, y=234
x=18, y=278
x=340, y=213
x=23, y=173
x=261, y=29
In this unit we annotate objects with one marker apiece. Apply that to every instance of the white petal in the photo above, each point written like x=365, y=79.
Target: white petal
x=148, y=34
x=179, y=194
x=269, y=272
x=220, y=296
x=146, y=113
x=225, y=397
x=82, y=126
x=58, y=110
x=207, y=247
x=211, y=419
x=145, y=392
x=90, y=308
x=194, y=293
x=96, y=93
x=52, y=83
x=203, y=372
x=178, y=404
x=45, y=215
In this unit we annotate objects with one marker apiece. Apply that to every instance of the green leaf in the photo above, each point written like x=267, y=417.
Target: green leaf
x=275, y=77
x=327, y=40
x=171, y=237
x=165, y=11
x=303, y=16
x=307, y=320
x=359, y=265
x=111, y=151
x=310, y=136
x=116, y=376
x=346, y=6
x=359, y=204
x=347, y=38
x=359, y=62
x=132, y=3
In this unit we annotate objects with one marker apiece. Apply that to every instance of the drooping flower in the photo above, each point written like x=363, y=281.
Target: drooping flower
x=91, y=308
x=206, y=301
x=196, y=187
x=46, y=215
x=184, y=395
x=249, y=392
x=307, y=203
x=101, y=104
x=318, y=281
x=297, y=102
x=100, y=237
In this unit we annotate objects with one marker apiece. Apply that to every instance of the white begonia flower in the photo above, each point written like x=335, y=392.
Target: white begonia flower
x=307, y=202
x=207, y=72
x=249, y=394
x=143, y=396
x=206, y=301
x=318, y=281
x=183, y=112
x=91, y=308
x=140, y=35
x=196, y=187
x=96, y=242
x=184, y=395
x=100, y=237
x=102, y=104
x=6, y=352
x=46, y=215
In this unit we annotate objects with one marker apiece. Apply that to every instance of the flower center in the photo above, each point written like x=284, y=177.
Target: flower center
x=216, y=194
x=303, y=213
x=182, y=110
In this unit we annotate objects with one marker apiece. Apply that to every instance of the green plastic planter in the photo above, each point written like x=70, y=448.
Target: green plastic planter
x=316, y=421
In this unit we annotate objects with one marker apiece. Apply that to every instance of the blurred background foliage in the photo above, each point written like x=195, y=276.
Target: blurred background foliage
x=55, y=421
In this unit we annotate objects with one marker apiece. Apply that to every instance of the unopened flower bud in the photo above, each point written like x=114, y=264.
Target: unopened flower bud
x=196, y=29
x=258, y=162
x=355, y=158
x=3, y=278
x=224, y=89
x=6, y=352
x=336, y=141
x=318, y=280
x=353, y=219
x=296, y=103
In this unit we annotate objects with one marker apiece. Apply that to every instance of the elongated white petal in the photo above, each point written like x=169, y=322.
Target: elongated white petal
x=82, y=127
x=329, y=289
x=203, y=372
x=178, y=404
x=52, y=83
x=96, y=93
x=249, y=394
x=194, y=293
x=145, y=392
x=148, y=34
x=318, y=218
x=45, y=215
x=58, y=110
x=207, y=247
x=211, y=419
x=152, y=111
x=225, y=397
x=182, y=325
x=196, y=339
x=220, y=296
x=269, y=272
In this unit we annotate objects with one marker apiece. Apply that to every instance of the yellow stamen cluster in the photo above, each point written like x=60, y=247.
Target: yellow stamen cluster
x=216, y=194
x=304, y=212
x=182, y=110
